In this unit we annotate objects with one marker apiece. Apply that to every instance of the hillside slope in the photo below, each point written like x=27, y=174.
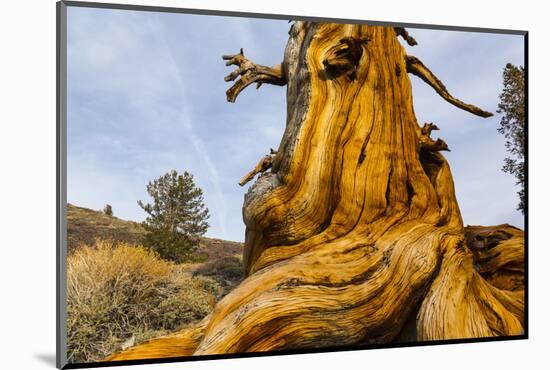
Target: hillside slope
x=219, y=259
x=85, y=225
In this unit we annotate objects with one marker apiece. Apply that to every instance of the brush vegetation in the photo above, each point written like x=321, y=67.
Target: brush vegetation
x=120, y=294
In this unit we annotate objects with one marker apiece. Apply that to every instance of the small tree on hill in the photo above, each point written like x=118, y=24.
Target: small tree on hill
x=177, y=216
x=512, y=125
x=108, y=210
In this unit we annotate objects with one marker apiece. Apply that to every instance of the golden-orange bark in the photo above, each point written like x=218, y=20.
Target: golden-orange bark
x=356, y=230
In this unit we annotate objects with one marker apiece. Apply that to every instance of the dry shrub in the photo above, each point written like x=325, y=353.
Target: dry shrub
x=222, y=269
x=118, y=292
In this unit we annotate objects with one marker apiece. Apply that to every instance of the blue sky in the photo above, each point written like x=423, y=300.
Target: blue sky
x=146, y=95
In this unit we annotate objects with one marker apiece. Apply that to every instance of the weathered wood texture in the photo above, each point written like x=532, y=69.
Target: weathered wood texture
x=356, y=229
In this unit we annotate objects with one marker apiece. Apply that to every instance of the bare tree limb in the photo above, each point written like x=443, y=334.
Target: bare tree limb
x=427, y=143
x=417, y=68
x=249, y=73
x=263, y=165
x=401, y=31
x=428, y=128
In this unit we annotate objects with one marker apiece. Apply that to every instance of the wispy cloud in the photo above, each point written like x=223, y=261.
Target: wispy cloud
x=198, y=143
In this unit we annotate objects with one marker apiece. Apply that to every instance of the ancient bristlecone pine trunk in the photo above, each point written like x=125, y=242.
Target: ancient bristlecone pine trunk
x=353, y=231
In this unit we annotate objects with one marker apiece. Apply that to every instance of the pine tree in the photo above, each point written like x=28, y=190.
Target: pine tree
x=512, y=125
x=177, y=216
x=108, y=210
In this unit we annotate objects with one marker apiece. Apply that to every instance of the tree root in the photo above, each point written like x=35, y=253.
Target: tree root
x=462, y=304
x=363, y=296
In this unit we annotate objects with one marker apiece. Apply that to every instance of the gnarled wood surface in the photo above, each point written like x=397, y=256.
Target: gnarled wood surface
x=356, y=230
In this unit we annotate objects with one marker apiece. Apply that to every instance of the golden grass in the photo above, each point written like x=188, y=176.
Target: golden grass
x=117, y=293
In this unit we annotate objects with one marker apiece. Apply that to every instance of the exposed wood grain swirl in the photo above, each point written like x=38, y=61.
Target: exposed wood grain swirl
x=357, y=224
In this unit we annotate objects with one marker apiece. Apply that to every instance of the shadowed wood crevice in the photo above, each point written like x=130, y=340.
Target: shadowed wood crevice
x=498, y=255
x=353, y=231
